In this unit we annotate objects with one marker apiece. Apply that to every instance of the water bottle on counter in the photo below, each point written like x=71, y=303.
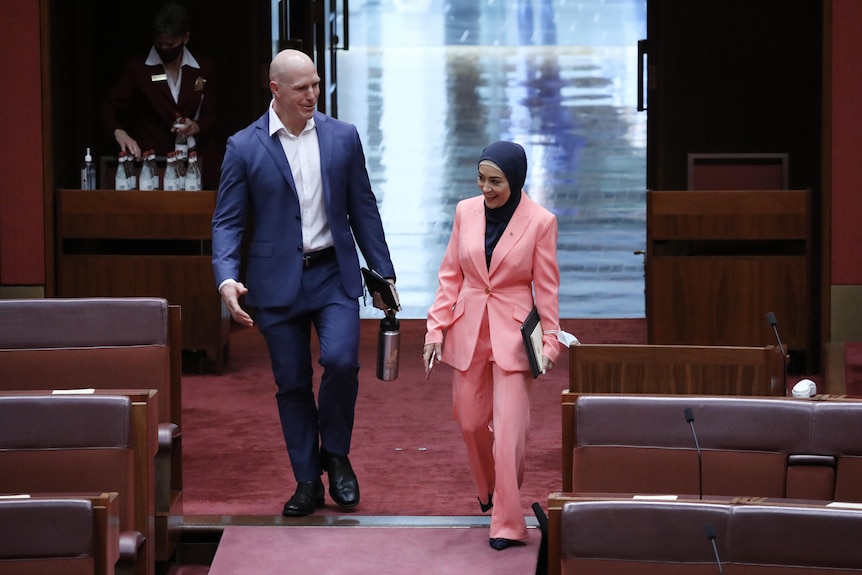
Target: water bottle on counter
x=180, y=160
x=121, y=180
x=146, y=175
x=151, y=160
x=171, y=183
x=131, y=172
x=88, y=172
x=193, y=173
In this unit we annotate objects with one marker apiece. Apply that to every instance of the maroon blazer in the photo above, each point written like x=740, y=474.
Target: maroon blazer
x=140, y=103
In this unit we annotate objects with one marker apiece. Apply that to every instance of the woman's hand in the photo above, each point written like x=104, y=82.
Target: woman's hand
x=186, y=127
x=547, y=364
x=127, y=143
x=432, y=353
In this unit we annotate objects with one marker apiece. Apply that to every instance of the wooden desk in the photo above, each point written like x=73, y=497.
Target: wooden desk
x=145, y=244
x=718, y=261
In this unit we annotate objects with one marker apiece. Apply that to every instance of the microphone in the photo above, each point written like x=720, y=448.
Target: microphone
x=770, y=319
x=689, y=417
x=710, y=533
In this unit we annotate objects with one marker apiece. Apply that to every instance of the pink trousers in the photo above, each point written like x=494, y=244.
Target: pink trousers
x=492, y=408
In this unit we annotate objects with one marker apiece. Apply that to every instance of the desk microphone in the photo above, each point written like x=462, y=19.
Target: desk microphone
x=710, y=533
x=770, y=318
x=689, y=417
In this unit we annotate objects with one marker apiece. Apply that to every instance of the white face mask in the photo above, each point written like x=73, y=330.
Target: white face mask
x=565, y=338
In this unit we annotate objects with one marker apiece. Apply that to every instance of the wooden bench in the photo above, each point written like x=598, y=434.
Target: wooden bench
x=105, y=442
x=621, y=535
x=776, y=447
x=59, y=534
x=656, y=369
x=106, y=343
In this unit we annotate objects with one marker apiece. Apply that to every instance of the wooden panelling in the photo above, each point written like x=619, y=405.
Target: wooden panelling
x=145, y=244
x=719, y=261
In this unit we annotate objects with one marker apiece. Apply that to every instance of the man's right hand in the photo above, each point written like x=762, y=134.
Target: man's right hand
x=230, y=293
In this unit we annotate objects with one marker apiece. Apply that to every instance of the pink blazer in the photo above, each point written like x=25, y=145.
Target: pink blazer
x=524, y=261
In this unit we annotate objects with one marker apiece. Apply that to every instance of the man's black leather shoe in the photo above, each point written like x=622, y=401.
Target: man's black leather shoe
x=308, y=497
x=343, y=486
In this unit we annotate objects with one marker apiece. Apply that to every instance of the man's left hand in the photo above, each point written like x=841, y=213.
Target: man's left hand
x=377, y=299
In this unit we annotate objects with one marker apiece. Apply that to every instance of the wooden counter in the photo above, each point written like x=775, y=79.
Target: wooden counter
x=145, y=243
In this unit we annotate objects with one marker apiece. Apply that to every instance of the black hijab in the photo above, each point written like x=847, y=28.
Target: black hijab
x=511, y=159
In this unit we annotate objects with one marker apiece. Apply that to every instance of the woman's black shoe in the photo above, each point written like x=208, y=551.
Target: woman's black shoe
x=486, y=506
x=499, y=543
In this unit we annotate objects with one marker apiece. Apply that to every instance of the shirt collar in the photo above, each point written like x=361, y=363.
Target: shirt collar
x=275, y=124
x=153, y=59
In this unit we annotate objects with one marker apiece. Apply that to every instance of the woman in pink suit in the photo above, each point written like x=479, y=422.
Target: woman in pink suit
x=502, y=252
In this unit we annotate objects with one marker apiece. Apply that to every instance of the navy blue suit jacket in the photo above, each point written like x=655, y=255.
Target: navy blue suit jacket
x=256, y=183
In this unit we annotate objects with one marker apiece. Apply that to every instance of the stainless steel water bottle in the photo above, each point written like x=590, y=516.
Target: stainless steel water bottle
x=388, y=345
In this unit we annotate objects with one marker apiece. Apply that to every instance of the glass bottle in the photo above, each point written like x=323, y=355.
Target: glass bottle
x=131, y=172
x=171, y=184
x=145, y=176
x=180, y=166
x=121, y=180
x=193, y=173
x=181, y=142
x=151, y=160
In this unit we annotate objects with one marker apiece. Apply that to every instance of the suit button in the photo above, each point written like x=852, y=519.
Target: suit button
x=487, y=290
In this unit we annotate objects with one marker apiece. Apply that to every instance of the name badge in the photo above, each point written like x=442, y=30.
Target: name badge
x=159, y=78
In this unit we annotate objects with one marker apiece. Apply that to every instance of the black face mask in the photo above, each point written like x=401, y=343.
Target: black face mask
x=170, y=54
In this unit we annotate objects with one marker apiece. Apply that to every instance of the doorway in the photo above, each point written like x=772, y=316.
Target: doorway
x=430, y=83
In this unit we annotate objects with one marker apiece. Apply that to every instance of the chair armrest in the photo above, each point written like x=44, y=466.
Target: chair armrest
x=168, y=432
x=130, y=543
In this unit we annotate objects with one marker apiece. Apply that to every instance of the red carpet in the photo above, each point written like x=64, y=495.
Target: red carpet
x=407, y=451
x=368, y=551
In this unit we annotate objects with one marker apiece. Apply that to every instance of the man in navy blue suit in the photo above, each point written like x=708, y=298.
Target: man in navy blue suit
x=296, y=180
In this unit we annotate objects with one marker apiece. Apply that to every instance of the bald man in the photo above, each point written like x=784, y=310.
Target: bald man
x=296, y=180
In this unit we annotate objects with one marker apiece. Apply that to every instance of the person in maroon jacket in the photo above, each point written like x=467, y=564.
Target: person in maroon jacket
x=166, y=91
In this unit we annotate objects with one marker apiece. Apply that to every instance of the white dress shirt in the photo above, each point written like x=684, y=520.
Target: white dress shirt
x=153, y=59
x=303, y=155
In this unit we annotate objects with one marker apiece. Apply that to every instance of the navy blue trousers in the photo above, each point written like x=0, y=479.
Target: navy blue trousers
x=326, y=422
